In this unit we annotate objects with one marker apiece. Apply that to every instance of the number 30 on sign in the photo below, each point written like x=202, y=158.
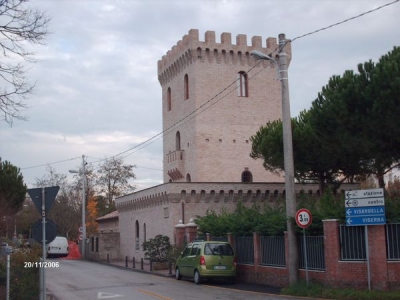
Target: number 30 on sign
x=303, y=218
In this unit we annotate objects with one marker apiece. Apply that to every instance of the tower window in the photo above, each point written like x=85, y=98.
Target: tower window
x=247, y=176
x=186, y=87
x=169, y=104
x=178, y=141
x=242, y=84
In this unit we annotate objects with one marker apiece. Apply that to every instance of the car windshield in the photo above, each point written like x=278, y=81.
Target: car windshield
x=218, y=249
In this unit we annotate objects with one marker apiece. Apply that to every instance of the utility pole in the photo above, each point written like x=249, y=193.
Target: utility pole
x=83, y=207
x=290, y=194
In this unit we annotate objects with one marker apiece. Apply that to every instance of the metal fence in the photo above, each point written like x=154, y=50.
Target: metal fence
x=352, y=243
x=244, y=249
x=393, y=241
x=315, y=252
x=272, y=251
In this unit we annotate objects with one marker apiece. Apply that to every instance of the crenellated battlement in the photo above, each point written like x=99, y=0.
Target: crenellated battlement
x=191, y=50
x=223, y=193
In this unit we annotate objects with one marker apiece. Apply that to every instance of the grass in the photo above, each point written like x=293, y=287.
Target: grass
x=317, y=290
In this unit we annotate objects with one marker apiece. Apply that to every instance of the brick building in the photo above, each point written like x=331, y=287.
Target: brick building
x=215, y=96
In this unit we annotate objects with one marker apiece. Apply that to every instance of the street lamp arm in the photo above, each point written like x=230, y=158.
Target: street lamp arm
x=258, y=55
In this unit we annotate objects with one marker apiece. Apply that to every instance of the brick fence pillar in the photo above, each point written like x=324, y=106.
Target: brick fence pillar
x=257, y=254
x=377, y=257
x=230, y=239
x=191, y=231
x=180, y=234
x=332, y=251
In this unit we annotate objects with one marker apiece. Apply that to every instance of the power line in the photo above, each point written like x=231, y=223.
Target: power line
x=197, y=111
x=52, y=163
x=344, y=21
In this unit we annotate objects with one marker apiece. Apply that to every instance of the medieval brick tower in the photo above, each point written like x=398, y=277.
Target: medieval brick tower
x=215, y=96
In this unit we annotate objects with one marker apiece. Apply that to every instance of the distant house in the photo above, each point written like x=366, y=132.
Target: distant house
x=107, y=240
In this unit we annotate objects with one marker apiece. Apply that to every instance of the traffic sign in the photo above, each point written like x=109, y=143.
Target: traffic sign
x=50, y=194
x=358, y=202
x=303, y=218
x=365, y=220
x=51, y=231
x=365, y=211
x=365, y=207
x=370, y=193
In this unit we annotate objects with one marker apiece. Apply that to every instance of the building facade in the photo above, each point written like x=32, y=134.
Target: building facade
x=215, y=96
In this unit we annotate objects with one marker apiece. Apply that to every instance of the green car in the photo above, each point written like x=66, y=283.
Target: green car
x=206, y=260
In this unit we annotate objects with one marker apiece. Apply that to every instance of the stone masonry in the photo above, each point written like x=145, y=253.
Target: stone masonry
x=208, y=122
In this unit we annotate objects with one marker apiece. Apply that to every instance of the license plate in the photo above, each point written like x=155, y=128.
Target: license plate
x=219, y=267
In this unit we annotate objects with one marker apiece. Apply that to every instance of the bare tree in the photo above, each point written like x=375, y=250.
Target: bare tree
x=19, y=26
x=66, y=210
x=113, y=179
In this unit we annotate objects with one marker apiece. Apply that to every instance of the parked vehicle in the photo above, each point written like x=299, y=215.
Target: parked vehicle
x=58, y=247
x=206, y=259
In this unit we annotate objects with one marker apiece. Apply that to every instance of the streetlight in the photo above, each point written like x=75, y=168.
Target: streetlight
x=282, y=64
x=83, y=205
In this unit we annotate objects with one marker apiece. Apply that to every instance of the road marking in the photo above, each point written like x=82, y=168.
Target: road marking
x=101, y=295
x=155, y=295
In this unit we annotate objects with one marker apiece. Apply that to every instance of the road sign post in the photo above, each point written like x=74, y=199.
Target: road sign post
x=365, y=208
x=303, y=220
x=43, y=204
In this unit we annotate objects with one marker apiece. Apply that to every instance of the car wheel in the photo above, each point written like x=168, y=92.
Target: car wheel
x=178, y=275
x=197, y=277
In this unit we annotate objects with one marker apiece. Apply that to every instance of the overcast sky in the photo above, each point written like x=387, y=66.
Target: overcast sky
x=97, y=92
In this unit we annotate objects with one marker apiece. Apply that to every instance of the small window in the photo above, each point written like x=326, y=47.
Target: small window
x=247, y=176
x=242, y=84
x=178, y=141
x=186, y=252
x=169, y=100
x=195, y=250
x=186, y=87
x=188, y=179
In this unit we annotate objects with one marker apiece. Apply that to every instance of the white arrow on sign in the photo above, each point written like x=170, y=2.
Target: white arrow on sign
x=370, y=193
x=101, y=295
x=364, y=202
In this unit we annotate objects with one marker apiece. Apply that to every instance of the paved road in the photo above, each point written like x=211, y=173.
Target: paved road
x=76, y=279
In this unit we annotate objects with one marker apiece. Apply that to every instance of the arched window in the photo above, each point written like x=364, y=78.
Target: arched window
x=247, y=176
x=242, y=84
x=137, y=235
x=186, y=87
x=178, y=141
x=144, y=232
x=169, y=103
x=188, y=179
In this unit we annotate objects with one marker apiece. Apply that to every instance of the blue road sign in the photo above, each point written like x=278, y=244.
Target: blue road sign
x=366, y=220
x=365, y=207
x=365, y=211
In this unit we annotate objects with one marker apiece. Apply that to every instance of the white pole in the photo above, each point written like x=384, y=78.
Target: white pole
x=305, y=253
x=367, y=254
x=8, y=278
x=43, y=287
x=83, y=207
x=293, y=264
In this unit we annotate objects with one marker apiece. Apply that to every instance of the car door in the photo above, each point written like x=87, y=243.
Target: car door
x=183, y=261
x=193, y=259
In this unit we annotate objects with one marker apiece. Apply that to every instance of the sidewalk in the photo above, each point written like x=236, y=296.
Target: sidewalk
x=166, y=273
x=138, y=267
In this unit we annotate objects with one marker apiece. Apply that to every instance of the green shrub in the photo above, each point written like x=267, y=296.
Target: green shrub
x=24, y=282
x=157, y=249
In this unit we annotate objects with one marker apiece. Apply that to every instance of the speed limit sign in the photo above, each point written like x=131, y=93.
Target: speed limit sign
x=303, y=218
